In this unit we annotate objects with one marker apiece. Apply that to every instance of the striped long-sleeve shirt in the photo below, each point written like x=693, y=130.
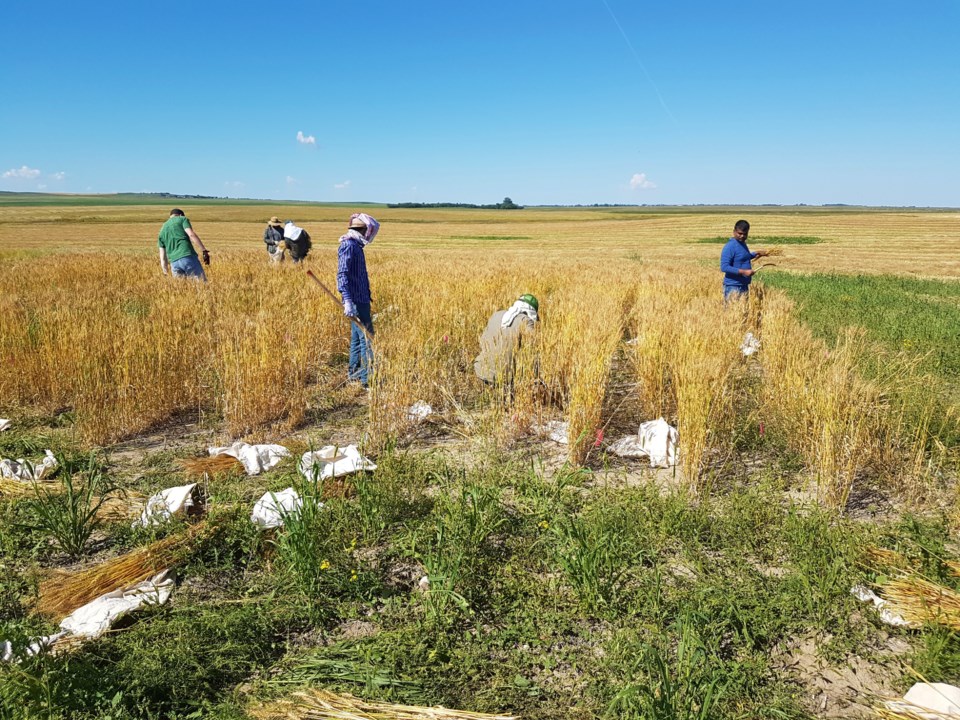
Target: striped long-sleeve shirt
x=352, y=281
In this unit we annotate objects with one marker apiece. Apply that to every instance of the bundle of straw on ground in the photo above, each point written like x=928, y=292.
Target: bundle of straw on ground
x=14, y=488
x=888, y=714
x=61, y=595
x=921, y=601
x=883, y=559
x=212, y=465
x=322, y=704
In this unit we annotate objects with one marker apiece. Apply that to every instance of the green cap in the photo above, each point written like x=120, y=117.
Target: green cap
x=530, y=300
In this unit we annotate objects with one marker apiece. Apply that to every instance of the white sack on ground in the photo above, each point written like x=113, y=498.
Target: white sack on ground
x=887, y=616
x=554, y=430
x=750, y=344
x=255, y=458
x=99, y=615
x=271, y=509
x=334, y=462
x=5, y=424
x=165, y=504
x=655, y=439
x=419, y=411
x=27, y=471
x=931, y=701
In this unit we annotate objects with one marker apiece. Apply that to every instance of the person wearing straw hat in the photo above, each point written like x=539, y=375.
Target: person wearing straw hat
x=273, y=237
x=354, y=287
x=735, y=263
x=502, y=337
x=176, y=242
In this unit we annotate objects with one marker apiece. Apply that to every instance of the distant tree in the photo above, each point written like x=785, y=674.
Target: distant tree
x=508, y=204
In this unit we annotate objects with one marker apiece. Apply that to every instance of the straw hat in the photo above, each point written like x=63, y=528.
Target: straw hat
x=275, y=221
x=357, y=224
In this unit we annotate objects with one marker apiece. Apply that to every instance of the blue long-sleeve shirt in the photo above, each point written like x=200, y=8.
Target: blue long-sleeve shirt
x=735, y=256
x=352, y=280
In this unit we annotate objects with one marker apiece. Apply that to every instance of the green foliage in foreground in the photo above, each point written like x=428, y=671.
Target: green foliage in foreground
x=547, y=595
x=767, y=240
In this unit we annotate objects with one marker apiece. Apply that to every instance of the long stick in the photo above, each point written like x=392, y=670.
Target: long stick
x=355, y=320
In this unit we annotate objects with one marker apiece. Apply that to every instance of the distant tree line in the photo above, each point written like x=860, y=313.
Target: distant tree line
x=507, y=204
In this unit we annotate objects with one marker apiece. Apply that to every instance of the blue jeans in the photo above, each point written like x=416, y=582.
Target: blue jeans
x=188, y=266
x=735, y=292
x=361, y=353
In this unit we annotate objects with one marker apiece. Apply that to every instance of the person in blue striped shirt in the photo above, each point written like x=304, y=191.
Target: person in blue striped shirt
x=354, y=287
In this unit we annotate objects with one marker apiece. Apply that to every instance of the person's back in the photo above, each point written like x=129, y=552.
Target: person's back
x=498, y=344
x=173, y=238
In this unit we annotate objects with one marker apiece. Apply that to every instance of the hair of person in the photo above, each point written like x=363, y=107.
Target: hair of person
x=176, y=211
x=742, y=225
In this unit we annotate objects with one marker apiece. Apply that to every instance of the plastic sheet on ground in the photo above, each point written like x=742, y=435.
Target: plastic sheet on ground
x=255, y=458
x=655, y=439
x=5, y=424
x=273, y=507
x=419, y=411
x=99, y=615
x=931, y=701
x=166, y=504
x=887, y=616
x=334, y=462
x=27, y=471
x=750, y=344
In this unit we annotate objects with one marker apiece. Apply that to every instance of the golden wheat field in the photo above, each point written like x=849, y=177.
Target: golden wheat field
x=633, y=325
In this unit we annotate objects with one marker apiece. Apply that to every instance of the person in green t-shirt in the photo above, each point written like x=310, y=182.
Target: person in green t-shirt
x=176, y=248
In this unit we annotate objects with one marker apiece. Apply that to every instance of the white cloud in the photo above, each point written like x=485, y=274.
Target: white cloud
x=639, y=181
x=305, y=139
x=234, y=184
x=291, y=180
x=41, y=186
x=23, y=173
x=59, y=175
x=342, y=186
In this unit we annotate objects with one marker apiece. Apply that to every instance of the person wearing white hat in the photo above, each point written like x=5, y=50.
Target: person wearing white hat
x=354, y=287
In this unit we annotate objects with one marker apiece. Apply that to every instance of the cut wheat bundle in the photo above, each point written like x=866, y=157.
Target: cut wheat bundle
x=212, y=465
x=61, y=595
x=921, y=601
x=325, y=705
x=883, y=559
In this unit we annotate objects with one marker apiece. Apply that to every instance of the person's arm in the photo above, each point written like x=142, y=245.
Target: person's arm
x=760, y=253
x=163, y=259
x=195, y=238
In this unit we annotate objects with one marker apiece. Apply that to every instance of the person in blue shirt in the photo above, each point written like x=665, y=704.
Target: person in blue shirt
x=735, y=262
x=354, y=287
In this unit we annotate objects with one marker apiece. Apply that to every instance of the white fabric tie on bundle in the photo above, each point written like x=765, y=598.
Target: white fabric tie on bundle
x=26, y=471
x=99, y=615
x=5, y=424
x=930, y=701
x=655, y=439
x=272, y=508
x=334, y=462
x=255, y=458
x=520, y=306
x=166, y=504
x=291, y=232
x=887, y=616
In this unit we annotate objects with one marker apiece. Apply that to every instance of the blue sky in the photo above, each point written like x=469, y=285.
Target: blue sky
x=593, y=101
